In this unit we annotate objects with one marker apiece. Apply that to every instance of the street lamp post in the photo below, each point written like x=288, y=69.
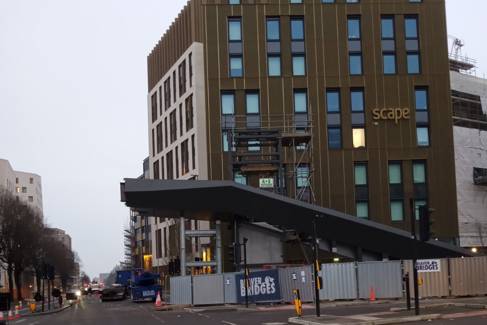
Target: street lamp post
x=415, y=257
x=246, y=273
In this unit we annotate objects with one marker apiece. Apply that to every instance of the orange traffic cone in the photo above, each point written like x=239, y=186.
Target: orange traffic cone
x=372, y=294
x=17, y=315
x=158, y=300
x=1, y=316
x=10, y=315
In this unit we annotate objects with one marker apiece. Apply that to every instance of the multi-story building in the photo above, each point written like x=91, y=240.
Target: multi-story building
x=344, y=104
x=61, y=236
x=469, y=97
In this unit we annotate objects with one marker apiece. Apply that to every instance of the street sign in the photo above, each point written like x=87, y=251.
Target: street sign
x=266, y=183
x=428, y=266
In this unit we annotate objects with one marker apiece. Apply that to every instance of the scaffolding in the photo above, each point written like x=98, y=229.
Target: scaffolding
x=273, y=147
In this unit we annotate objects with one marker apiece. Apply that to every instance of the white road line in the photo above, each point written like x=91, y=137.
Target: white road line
x=228, y=323
x=19, y=321
x=274, y=323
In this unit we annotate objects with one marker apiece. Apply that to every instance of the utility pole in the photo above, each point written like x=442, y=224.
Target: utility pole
x=246, y=273
x=315, y=267
x=415, y=256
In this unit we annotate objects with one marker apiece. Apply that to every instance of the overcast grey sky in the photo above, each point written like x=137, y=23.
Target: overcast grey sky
x=73, y=86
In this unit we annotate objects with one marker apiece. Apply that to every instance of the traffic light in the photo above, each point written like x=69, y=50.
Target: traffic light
x=425, y=222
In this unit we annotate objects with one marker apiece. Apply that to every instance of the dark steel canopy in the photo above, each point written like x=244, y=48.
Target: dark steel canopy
x=224, y=200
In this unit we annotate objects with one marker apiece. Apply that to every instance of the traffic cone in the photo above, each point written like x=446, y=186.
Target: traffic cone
x=10, y=315
x=158, y=300
x=16, y=315
x=1, y=316
x=372, y=294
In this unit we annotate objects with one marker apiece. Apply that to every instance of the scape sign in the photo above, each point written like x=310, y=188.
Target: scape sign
x=263, y=287
x=428, y=266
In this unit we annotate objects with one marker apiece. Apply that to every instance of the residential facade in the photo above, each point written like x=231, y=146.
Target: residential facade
x=469, y=97
x=343, y=104
x=61, y=236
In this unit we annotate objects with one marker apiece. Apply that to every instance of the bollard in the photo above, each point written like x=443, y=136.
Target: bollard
x=297, y=303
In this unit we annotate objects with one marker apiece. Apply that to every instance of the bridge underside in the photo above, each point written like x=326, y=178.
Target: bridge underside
x=226, y=200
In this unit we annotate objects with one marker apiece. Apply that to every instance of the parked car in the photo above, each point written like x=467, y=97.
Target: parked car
x=115, y=292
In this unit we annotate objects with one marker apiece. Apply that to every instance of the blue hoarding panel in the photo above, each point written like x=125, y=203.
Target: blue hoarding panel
x=263, y=287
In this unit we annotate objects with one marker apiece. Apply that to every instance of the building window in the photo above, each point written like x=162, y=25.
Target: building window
x=252, y=103
x=154, y=107
x=173, y=126
x=361, y=190
x=422, y=116
x=353, y=28
x=358, y=137
x=156, y=169
x=189, y=112
x=419, y=173
x=158, y=243
x=31, y=199
x=166, y=141
x=355, y=63
x=295, y=1
x=236, y=66
x=389, y=63
x=159, y=137
x=397, y=211
x=395, y=174
x=177, y=161
x=174, y=85
x=167, y=93
x=297, y=29
x=193, y=151
x=240, y=178
x=182, y=78
x=418, y=204
x=300, y=101
x=185, y=157
x=387, y=28
x=273, y=29
x=181, y=120
x=226, y=141
x=299, y=65
x=333, y=108
x=190, y=63
x=412, y=44
x=274, y=65
x=162, y=169
x=233, y=2
x=153, y=143
x=357, y=100
x=228, y=104
x=31, y=180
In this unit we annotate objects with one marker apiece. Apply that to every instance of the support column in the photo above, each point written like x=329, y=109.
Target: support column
x=182, y=245
x=218, y=256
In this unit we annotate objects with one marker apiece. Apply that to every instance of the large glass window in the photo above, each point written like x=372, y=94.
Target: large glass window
x=358, y=137
x=421, y=99
x=419, y=173
x=411, y=27
x=355, y=63
x=302, y=176
x=360, y=174
x=299, y=65
x=228, y=103
x=236, y=66
x=357, y=100
x=363, y=210
x=297, y=29
x=389, y=63
x=252, y=103
x=273, y=29
x=333, y=101
x=387, y=28
x=414, y=65
x=274, y=65
x=397, y=211
x=300, y=101
x=417, y=205
x=353, y=28
x=234, y=30
x=334, y=138
x=240, y=178
x=395, y=174
x=422, y=134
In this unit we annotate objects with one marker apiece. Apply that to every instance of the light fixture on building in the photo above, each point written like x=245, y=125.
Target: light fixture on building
x=474, y=250
x=336, y=259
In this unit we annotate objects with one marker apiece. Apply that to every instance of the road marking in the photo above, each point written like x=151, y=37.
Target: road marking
x=274, y=323
x=228, y=323
x=19, y=321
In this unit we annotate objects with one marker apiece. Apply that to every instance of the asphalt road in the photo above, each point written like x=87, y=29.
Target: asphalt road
x=93, y=312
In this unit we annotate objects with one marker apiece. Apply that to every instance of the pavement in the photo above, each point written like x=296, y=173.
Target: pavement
x=440, y=311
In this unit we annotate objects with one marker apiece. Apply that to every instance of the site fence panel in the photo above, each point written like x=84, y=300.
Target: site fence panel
x=339, y=281
x=301, y=278
x=468, y=276
x=208, y=290
x=431, y=284
x=181, y=290
x=230, y=287
x=383, y=278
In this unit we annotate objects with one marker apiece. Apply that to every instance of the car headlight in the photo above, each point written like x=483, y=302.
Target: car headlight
x=120, y=294
x=78, y=293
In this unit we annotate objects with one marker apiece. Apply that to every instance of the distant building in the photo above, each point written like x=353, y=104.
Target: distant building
x=104, y=277
x=469, y=97
x=26, y=186
x=61, y=236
